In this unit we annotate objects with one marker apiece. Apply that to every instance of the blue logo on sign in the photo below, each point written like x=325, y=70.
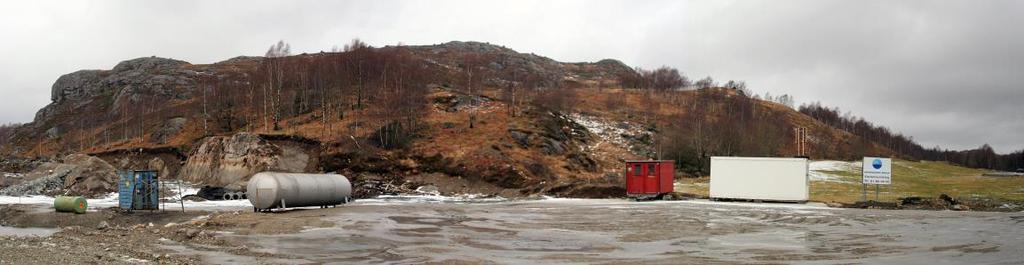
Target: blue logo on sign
x=877, y=164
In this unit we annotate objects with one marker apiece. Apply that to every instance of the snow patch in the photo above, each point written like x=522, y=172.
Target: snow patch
x=431, y=198
x=111, y=200
x=834, y=166
x=820, y=170
x=562, y=199
x=607, y=130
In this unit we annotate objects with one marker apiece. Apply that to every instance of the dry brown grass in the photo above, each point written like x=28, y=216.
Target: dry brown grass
x=927, y=179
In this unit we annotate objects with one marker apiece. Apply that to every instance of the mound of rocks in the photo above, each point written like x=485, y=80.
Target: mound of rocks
x=50, y=181
x=89, y=176
x=76, y=174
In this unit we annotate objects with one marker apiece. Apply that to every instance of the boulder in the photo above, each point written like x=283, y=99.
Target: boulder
x=90, y=176
x=103, y=225
x=522, y=138
x=160, y=166
x=551, y=146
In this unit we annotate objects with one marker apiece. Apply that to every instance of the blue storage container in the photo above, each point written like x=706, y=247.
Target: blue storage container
x=138, y=190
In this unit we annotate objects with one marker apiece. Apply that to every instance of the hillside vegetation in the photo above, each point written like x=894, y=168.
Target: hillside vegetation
x=465, y=116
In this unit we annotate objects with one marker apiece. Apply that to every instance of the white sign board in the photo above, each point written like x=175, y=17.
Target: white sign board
x=877, y=170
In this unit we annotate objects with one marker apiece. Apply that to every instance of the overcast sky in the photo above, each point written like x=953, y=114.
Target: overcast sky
x=948, y=73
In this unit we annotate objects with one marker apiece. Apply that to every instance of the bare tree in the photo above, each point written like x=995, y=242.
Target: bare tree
x=509, y=94
x=355, y=44
x=359, y=51
x=705, y=83
x=281, y=49
x=663, y=78
x=273, y=70
x=666, y=78
x=472, y=68
x=206, y=115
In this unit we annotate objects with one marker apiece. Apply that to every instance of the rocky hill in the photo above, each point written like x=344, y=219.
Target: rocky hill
x=465, y=117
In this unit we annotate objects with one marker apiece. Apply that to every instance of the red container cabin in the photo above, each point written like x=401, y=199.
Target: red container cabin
x=649, y=178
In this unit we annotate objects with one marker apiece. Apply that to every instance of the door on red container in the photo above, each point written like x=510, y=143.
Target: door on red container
x=635, y=178
x=650, y=179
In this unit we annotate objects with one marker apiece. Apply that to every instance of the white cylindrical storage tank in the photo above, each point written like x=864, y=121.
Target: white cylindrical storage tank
x=268, y=190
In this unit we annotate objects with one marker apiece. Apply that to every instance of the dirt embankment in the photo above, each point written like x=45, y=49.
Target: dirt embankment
x=390, y=173
x=166, y=160
x=943, y=202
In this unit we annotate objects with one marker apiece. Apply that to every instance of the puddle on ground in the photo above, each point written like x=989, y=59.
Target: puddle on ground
x=218, y=257
x=27, y=231
x=327, y=245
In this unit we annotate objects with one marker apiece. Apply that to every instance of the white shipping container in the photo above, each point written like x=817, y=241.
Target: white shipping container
x=759, y=178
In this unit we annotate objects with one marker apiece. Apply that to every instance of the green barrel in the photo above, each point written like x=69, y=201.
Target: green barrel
x=74, y=204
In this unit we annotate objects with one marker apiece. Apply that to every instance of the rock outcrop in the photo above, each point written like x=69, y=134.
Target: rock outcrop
x=452, y=55
x=77, y=86
x=229, y=161
x=91, y=93
x=151, y=74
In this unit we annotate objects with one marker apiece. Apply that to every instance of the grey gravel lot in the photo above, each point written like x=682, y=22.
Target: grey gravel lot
x=565, y=231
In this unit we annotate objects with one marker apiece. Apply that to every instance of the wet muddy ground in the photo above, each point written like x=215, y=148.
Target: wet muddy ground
x=615, y=231
x=601, y=231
